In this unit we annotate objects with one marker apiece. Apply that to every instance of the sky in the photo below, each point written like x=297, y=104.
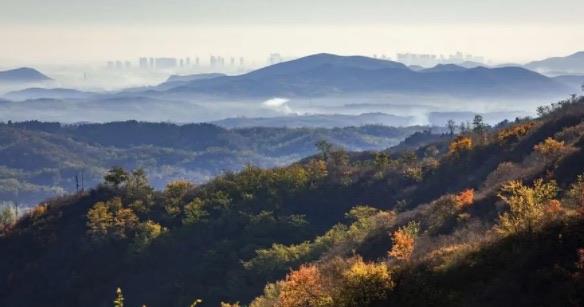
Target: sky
x=76, y=31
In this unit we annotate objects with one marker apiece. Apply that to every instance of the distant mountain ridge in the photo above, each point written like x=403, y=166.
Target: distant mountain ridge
x=23, y=74
x=570, y=64
x=50, y=93
x=318, y=121
x=327, y=74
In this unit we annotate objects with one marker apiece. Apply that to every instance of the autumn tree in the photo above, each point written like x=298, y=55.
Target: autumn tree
x=465, y=198
x=574, y=198
x=403, y=241
x=365, y=284
x=550, y=149
x=513, y=133
x=146, y=232
x=527, y=205
x=119, y=298
x=304, y=287
x=111, y=220
x=459, y=145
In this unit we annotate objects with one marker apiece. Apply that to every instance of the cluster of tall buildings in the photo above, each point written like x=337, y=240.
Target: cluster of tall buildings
x=428, y=60
x=168, y=63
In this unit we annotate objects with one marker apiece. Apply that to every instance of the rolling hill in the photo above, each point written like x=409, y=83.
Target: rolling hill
x=22, y=75
x=490, y=217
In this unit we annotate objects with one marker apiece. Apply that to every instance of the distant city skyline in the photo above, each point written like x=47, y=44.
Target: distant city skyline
x=80, y=31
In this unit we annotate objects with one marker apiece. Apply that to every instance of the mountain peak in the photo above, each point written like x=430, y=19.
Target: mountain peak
x=23, y=74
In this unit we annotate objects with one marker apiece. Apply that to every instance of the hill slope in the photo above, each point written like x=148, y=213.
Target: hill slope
x=222, y=241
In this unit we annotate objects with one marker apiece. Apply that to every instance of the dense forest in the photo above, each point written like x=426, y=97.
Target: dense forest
x=487, y=216
x=39, y=160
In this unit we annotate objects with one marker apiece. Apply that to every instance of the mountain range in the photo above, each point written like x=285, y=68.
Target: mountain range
x=328, y=75
x=22, y=75
x=571, y=64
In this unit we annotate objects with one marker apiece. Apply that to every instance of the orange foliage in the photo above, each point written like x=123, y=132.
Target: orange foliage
x=39, y=210
x=304, y=287
x=465, y=198
x=550, y=147
x=514, y=133
x=553, y=206
x=403, y=245
x=460, y=144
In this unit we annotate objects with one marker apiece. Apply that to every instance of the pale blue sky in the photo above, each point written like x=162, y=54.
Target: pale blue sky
x=511, y=30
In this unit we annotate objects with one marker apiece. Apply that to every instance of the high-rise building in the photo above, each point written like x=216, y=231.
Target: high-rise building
x=275, y=58
x=165, y=63
x=143, y=63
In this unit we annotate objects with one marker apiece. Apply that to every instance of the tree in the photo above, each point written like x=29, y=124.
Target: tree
x=527, y=205
x=304, y=287
x=110, y=220
x=451, y=126
x=173, y=196
x=365, y=284
x=403, y=241
x=575, y=196
x=7, y=217
x=459, y=145
x=325, y=148
x=478, y=126
x=146, y=233
x=464, y=198
x=119, y=298
x=138, y=188
x=550, y=149
x=194, y=212
x=116, y=176
x=99, y=221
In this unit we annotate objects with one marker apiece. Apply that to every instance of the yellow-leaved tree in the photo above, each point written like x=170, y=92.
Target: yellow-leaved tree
x=527, y=205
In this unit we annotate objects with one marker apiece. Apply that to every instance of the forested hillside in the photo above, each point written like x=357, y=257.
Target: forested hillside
x=40, y=160
x=490, y=216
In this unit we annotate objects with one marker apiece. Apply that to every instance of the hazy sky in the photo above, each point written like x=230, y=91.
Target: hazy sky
x=69, y=31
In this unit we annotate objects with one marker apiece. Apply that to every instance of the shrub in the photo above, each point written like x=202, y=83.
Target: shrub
x=365, y=284
x=527, y=205
x=459, y=145
x=403, y=242
x=550, y=148
x=513, y=133
x=465, y=198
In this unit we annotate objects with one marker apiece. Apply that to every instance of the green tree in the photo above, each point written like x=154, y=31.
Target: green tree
x=325, y=148
x=116, y=176
x=194, y=212
x=146, y=233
